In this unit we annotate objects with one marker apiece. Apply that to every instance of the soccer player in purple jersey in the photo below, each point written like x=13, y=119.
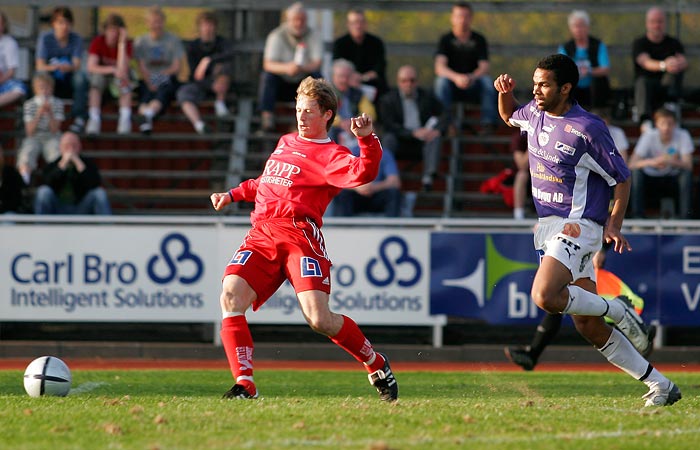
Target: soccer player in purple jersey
x=573, y=164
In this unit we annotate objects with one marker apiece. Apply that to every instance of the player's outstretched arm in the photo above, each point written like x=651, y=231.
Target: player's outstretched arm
x=361, y=126
x=220, y=199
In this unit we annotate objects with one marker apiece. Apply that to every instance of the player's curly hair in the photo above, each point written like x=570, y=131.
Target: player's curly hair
x=563, y=67
x=324, y=94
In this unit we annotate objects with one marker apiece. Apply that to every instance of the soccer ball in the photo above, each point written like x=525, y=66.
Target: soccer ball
x=47, y=375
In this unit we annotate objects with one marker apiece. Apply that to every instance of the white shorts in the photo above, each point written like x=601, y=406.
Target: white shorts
x=572, y=242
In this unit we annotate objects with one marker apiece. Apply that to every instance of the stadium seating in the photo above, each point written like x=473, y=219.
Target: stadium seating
x=174, y=170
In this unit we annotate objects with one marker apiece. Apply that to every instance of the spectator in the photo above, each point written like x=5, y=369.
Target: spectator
x=617, y=133
x=518, y=145
x=662, y=163
x=71, y=183
x=43, y=116
x=292, y=52
x=413, y=123
x=159, y=55
x=11, y=188
x=59, y=51
x=591, y=57
x=462, y=66
x=659, y=64
x=108, y=67
x=11, y=90
x=351, y=103
x=365, y=50
x=383, y=195
x=208, y=57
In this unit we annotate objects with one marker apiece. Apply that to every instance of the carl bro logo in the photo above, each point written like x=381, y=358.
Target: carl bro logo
x=176, y=261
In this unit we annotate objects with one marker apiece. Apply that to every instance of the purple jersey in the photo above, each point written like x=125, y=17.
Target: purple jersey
x=573, y=162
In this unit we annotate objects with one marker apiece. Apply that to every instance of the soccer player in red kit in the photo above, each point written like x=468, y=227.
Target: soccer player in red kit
x=302, y=175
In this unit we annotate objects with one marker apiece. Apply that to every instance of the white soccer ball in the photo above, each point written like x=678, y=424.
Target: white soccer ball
x=47, y=375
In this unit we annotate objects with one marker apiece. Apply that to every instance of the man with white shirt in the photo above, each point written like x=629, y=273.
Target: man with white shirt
x=662, y=163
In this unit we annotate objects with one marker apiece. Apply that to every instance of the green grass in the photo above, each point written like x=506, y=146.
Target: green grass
x=181, y=409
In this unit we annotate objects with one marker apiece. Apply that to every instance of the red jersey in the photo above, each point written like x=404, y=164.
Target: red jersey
x=107, y=55
x=302, y=176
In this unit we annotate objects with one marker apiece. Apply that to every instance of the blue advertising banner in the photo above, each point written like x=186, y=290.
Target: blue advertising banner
x=488, y=276
x=679, y=268
x=485, y=276
x=665, y=271
x=639, y=270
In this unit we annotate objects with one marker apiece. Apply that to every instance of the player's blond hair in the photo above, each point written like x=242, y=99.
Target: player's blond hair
x=324, y=94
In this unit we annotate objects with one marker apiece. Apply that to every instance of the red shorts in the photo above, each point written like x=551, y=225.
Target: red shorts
x=282, y=249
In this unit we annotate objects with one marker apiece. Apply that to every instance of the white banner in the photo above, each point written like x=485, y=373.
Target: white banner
x=108, y=273
x=378, y=277
x=172, y=273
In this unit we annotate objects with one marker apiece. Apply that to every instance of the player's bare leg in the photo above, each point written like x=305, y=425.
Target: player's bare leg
x=344, y=332
x=551, y=291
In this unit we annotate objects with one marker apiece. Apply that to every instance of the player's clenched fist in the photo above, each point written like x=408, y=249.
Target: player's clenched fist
x=504, y=83
x=220, y=199
x=361, y=125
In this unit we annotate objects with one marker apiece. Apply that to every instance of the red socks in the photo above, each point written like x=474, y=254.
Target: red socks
x=238, y=345
x=351, y=339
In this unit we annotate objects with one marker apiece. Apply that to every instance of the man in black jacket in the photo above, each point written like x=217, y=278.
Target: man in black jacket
x=11, y=187
x=365, y=50
x=71, y=183
x=413, y=122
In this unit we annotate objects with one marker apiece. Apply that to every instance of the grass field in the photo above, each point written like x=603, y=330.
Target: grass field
x=182, y=409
